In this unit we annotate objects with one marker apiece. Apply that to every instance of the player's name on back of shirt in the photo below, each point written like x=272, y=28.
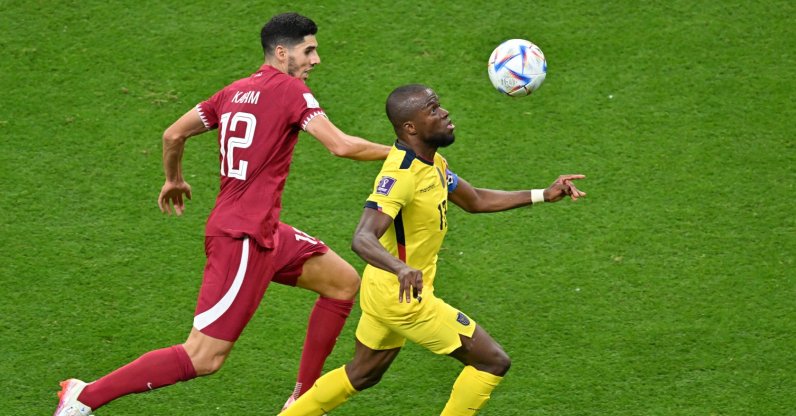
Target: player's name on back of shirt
x=246, y=97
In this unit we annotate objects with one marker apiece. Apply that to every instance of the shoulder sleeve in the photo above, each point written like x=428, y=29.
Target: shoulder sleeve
x=208, y=110
x=451, y=178
x=301, y=105
x=392, y=191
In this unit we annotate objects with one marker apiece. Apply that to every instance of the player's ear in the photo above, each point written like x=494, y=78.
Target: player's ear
x=280, y=52
x=410, y=127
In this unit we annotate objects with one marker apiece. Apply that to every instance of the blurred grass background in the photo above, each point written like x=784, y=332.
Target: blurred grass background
x=668, y=291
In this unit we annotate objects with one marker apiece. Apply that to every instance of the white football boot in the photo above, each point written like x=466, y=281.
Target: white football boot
x=290, y=401
x=67, y=403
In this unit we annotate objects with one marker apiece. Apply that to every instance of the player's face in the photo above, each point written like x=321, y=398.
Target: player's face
x=302, y=57
x=433, y=124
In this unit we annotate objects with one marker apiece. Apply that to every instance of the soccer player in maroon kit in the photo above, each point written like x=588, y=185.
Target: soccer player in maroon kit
x=258, y=120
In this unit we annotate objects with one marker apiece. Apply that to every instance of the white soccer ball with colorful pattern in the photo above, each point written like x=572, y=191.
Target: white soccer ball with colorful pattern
x=517, y=67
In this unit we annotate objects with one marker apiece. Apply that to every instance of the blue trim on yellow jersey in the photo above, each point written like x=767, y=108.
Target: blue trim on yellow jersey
x=372, y=205
x=441, y=178
x=410, y=156
x=453, y=180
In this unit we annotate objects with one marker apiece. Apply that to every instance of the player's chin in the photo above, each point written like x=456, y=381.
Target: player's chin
x=444, y=140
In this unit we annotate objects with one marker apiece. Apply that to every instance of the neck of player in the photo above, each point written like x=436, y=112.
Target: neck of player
x=420, y=148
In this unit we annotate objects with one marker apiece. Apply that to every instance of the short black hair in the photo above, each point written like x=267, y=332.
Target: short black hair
x=286, y=29
x=403, y=102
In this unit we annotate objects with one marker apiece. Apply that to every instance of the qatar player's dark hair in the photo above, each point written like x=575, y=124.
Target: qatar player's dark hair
x=404, y=102
x=286, y=29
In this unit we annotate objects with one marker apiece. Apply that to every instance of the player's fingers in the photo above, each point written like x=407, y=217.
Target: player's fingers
x=573, y=193
x=571, y=177
x=571, y=190
x=179, y=205
x=167, y=205
x=188, y=193
x=577, y=191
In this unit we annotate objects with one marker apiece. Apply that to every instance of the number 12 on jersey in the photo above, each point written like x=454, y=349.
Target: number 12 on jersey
x=229, y=122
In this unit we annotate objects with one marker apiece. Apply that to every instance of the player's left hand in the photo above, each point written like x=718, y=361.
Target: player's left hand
x=562, y=187
x=410, y=284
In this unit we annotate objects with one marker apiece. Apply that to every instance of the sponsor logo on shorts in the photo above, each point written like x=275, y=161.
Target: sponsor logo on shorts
x=385, y=185
x=462, y=319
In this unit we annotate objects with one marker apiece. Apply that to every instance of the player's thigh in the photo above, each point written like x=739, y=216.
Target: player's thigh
x=376, y=334
x=330, y=276
x=438, y=327
x=307, y=262
x=236, y=275
x=483, y=352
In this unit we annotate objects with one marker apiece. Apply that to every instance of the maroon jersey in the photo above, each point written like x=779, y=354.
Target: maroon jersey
x=258, y=120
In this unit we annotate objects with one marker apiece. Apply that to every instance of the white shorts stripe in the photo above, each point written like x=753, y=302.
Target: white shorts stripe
x=211, y=315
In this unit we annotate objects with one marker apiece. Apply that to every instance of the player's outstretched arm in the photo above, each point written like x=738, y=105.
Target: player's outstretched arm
x=478, y=200
x=344, y=145
x=372, y=226
x=190, y=124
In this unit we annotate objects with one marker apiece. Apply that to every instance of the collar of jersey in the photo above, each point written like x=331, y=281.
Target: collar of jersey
x=412, y=153
x=267, y=68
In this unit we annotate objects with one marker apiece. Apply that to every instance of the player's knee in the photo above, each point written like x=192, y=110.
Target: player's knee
x=363, y=378
x=345, y=284
x=349, y=283
x=366, y=381
x=206, y=358
x=500, y=363
x=207, y=365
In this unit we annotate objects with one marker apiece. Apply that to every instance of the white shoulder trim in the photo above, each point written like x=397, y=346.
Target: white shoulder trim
x=202, y=116
x=310, y=117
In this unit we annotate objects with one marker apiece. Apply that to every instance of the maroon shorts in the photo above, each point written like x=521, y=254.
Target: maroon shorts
x=238, y=272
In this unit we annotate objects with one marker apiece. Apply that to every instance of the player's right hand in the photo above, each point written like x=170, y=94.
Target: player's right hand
x=171, y=194
x=410, y=282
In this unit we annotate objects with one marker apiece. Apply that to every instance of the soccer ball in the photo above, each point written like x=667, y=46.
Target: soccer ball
x=517, y=67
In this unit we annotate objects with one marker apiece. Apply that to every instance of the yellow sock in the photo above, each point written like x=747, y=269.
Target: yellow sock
x=470, y=392
x=329, y=391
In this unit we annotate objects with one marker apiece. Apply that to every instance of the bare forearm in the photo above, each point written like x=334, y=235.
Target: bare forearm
x=172, y=158
x=368, y=247
x=490, y=200
x=361, y=149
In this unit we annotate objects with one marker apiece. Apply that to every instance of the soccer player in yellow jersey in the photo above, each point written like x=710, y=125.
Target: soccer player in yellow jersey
x=399, y=235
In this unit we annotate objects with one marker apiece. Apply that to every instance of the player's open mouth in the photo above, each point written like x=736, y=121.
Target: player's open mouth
x=451, y=126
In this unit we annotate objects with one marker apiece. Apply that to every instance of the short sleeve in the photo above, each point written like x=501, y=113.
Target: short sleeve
x=392, y=191
x=208, y=110
x=302, y=105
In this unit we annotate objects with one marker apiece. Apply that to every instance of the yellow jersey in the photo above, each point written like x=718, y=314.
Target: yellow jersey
x=414, y=192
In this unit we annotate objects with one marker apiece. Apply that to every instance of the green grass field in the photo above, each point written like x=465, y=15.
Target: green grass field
x=669, y=290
